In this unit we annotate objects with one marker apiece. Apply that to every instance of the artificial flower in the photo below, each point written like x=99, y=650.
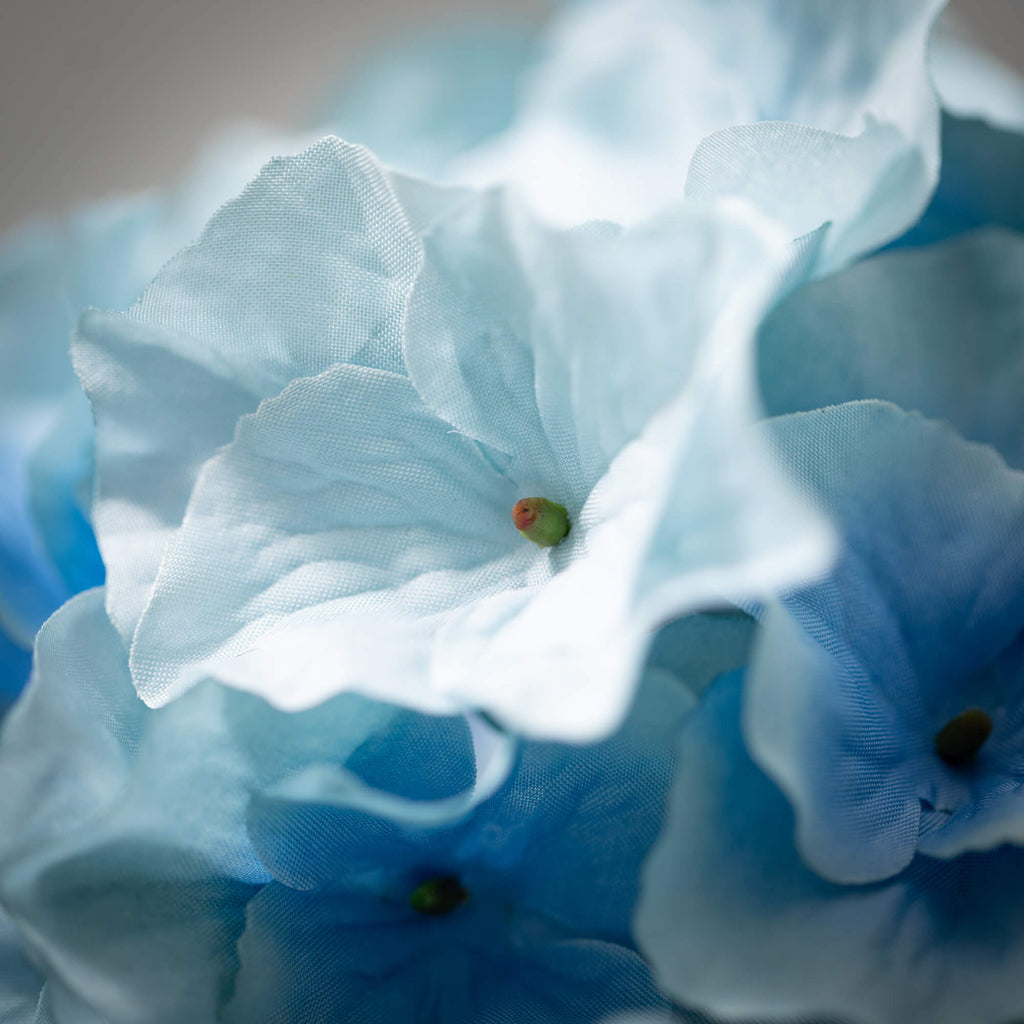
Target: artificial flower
x=819, y=113
x=251, y=877
x=50, y=271
x=390, y=367
x=875, y=736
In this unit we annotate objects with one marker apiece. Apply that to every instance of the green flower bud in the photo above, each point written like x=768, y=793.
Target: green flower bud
x=960, y=739
x=438, y=896
x=544, y=522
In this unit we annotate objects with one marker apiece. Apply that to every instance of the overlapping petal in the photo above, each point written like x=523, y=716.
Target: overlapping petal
x=935, y=330
x=354, y=534
x=918, y=621
x=736, y=924
x=819, y=113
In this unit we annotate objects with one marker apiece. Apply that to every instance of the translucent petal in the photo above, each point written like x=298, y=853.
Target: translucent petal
x=736, y=925
x=936, y=330
x=226, y=339
x=852, y=681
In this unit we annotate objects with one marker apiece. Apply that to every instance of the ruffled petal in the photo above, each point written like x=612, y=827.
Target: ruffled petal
x=320, y=259
x=853, y=680
x=936, y=330
x=736, y=925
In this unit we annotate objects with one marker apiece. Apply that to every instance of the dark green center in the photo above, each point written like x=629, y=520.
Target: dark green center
x=960, y=739
x=438, y=895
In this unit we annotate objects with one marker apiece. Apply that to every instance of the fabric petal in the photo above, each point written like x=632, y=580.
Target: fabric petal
x=935, y=330
x=626, y=90
x=851, y=682
x=20, y=982
x=169, y=379
x=736, y=925
x=396, y=517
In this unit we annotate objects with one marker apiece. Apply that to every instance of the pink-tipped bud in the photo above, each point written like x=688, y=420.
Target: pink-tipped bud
x=544, y=522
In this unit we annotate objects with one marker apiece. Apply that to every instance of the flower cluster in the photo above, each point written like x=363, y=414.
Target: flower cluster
x=551, y=549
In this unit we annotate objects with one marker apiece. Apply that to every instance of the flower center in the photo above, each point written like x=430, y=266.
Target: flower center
x=438, y=896
x=960, y=739
x=542, y=521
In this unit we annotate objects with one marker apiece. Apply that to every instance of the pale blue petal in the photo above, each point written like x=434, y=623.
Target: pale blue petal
x=20, y=982
x=979, y=184
x=60, y=482
x=422, y=101
x=852, y=137
x=101, y=255
x=343, y=499
x=308, y=267
x=852, y=681
x=79, y=829
x=936, y=330
x=736, y=925
x=406, y=581
x=617, y=108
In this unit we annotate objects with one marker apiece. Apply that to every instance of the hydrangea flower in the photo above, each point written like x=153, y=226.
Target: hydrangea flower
x=50, y=270
x=391, y=367
x=817, y=112
x=737, y=924
x=211, y=860
x=876, y=738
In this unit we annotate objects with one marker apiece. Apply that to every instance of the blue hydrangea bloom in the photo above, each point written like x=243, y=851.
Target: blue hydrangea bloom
x=312, y=430
x=735, y=923
x=828, y=768
x=102, y=255
x=817, y=112
x=207, y=860
x=919, y=621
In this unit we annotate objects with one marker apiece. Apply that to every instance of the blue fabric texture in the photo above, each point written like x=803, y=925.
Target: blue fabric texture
x=321, y=727
x=920, y=620
x=50, y=271
x=734, y=920
x=312, y=429
x=181, y=831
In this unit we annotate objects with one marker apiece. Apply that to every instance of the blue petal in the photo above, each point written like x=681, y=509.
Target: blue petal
x=90, y=870
x=858, y=673
x=736, y=925
x=320, y=259
x=935, y=330
x=979, y=183
x=20, y=981
x=61, y=478
x=618, y=105
x=304, y=958
x=15, y=664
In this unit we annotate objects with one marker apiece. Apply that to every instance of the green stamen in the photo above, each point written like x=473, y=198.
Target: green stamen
x=438, y=896
x=544, y=522
x=960, y=739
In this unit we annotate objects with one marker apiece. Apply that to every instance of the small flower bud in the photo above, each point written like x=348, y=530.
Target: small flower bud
x=960, y=739
x=438, y=896
x=544, y=522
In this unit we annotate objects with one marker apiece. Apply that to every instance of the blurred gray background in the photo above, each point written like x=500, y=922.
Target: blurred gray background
x=105, y=95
